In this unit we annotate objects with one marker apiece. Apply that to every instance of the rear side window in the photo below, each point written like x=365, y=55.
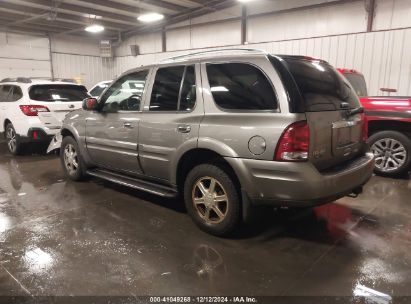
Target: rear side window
x=174, y=89
x=16, y=94
x=240, y=86
x=321, y=86
x=58, y=92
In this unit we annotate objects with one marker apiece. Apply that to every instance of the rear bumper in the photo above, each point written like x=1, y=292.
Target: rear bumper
x=300, y=184
x=38, y=135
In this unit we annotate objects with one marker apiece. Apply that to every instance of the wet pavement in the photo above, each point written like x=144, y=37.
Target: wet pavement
x=59, y=237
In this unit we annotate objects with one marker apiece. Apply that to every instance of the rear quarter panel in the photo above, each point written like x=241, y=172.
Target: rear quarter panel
x=229, y=132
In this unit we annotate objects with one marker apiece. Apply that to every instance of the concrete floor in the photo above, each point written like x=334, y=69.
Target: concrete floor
x=58, y=237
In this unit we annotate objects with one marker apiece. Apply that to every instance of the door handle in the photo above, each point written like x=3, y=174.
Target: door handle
x=184, y=129
x=128, y=125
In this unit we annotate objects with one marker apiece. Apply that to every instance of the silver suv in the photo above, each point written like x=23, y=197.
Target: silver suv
x=228, y=130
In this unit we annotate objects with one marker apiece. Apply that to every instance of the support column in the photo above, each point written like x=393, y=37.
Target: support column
x=163, y=40
x=244, y=24
x=370, y=8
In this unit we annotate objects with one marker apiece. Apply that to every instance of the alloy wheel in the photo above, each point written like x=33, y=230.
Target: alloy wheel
x=70, y=159
x=210, y=200
x=11, y=139
x=390, y=154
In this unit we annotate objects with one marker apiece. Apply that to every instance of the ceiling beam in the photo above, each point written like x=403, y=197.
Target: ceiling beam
x=149, y=5
x=191, y=13
x=30, y=11
x=77, y=9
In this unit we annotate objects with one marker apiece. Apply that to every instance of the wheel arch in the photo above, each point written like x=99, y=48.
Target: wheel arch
x=375, y=126
x=197, y=156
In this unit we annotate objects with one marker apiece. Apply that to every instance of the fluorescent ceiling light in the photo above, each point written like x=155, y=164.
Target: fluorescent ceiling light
x=151, y=17
x=94, y=28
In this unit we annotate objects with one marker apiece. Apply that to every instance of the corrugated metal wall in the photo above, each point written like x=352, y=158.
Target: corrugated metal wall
x=88, y=70
x=336, y=34
x=383, y=57
x=29, y=56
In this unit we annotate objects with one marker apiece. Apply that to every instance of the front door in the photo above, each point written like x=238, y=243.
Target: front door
x=171, y=119
x=112, y=132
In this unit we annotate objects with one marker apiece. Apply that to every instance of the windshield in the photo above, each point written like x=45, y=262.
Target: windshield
x=58, y=92
x=321, y=86
x=358, y=83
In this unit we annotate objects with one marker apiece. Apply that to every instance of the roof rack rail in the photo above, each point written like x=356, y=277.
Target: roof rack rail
x=18, y=79
x=65, y=80
x=29, y=79
x=212, y=51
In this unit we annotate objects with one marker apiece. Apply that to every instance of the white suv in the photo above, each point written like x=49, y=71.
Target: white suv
x=32, y=110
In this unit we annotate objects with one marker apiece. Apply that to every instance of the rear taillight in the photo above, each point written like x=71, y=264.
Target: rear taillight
x=33, y=110
x=294, y=143
x=364, y=127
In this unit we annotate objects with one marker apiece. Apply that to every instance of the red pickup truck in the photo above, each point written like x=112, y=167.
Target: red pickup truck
x=389, y=126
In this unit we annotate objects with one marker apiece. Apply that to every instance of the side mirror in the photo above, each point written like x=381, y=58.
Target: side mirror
x=90, y=104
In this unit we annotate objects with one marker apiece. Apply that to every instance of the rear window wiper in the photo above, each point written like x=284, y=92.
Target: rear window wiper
x=355, y=111
x=351, y=112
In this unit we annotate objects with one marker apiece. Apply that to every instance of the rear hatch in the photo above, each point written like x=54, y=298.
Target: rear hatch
x=330, y=104
x=59, y=99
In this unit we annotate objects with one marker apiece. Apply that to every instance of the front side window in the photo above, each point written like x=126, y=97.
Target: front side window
x=58, y=93
x=240, y=86
x=358, y=83
x=98, y=89
x=125, y=94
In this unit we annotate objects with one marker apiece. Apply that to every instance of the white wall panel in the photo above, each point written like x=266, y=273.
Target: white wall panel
x=391, y=14
x=24, y=56
x=331, y=20
x=89, y=70
x=380, y=56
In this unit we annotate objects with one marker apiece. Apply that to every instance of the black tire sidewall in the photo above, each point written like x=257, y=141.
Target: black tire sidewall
x=18, y=142
x=404, y=140
x=80, y=173
x=233, y=217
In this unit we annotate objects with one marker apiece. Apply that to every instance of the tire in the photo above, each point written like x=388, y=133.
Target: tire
x=71, y=160
x=392, y=152
x=14, y=144
x=220, y=218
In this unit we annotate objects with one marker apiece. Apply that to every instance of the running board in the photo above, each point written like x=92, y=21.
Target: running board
x=134, y=183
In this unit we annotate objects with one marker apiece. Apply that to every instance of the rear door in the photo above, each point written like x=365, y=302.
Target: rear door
x=60, y=99
x=328, y=98
x=170, y=122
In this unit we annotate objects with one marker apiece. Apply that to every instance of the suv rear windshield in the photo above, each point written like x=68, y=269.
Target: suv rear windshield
x=358, y=83
x=58, y=92
x=321, y=86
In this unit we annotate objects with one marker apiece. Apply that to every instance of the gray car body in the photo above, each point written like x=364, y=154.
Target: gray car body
x=153, y=147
